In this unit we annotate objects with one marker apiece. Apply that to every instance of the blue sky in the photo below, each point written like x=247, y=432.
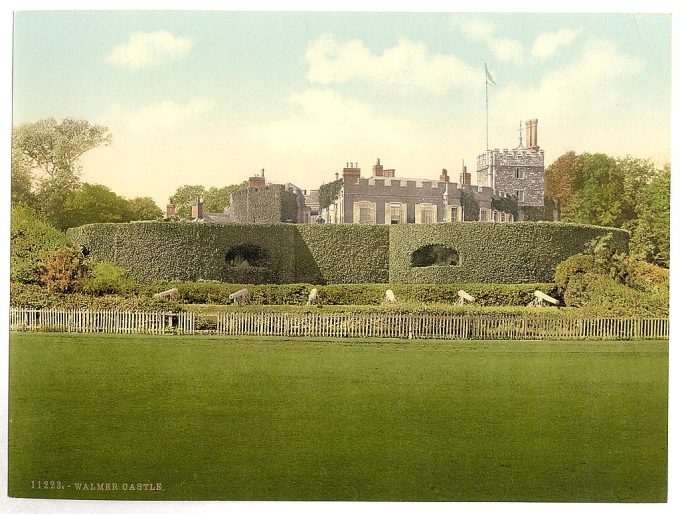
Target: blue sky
x=210, y=97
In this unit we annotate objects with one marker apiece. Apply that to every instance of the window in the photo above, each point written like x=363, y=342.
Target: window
x=426, y=213
x=395, y=213
x=364, y=212
x=519, y=193
x=454, y=214
x=482, y=215
x=519, y=172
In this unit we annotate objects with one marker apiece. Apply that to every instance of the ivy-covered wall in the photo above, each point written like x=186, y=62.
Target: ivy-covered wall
x=492, y=252
x=336, y=254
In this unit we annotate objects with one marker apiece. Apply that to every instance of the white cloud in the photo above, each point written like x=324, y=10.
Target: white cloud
x=580, y=106
x=146, y=49
x=162, y=116
x=502, y=48
x=408, y=64
x=546, y=44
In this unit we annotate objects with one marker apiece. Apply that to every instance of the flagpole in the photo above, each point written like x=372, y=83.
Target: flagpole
x=486, y=92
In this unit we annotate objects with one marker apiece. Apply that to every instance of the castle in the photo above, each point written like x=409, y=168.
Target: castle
x=510, y=183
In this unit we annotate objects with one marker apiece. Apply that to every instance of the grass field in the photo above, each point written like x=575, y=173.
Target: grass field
x=281, y=419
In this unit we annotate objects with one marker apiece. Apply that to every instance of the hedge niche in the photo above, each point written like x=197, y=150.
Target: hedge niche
x=490, y=252
x=244, y=254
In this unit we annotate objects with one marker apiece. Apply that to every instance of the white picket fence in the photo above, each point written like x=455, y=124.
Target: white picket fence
x=428, y=326
x=102, y=321
x=340, y=324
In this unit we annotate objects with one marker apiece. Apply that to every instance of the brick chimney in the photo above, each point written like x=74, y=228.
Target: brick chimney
x=532, y=133
x=378, y=169
x=256, y=182
x=170, y=210
x=351, y=172
x=444, y=177
x=197, y=209
x=465, y=177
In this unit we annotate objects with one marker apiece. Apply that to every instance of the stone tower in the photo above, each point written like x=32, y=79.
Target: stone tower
x=519, y=172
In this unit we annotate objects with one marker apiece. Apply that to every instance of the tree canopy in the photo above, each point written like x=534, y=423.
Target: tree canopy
x=46, y=161
x=215, y=199
x=626, y=192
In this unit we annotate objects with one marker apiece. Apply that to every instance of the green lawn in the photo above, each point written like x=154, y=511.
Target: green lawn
x=220, y=418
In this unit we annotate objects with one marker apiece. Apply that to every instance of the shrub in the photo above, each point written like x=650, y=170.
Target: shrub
x=572, y=266
x=60, y=271
x=32, y=239
x=106, y=278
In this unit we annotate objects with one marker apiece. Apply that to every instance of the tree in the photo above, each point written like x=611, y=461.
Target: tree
x=217, y=199
x=560, y=177
x=651, y=235
x=51, y=151
x=22, y=179
x=94, y=203
x=185, y=197
x=144, y=208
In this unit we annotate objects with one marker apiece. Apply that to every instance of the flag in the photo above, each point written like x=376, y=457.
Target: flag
x=489, y=78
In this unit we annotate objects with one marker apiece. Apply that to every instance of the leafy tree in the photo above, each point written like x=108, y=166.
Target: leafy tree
x=144, y=208
x=185, y=197
x=217, y=199
x=560, y=177
x=651, y=235
x=94, y=203
x=47, y=154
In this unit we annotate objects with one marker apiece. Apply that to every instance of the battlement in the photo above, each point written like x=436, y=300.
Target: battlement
x=391, y=183
x=514, y=157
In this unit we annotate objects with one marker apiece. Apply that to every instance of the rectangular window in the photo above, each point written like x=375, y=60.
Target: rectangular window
x=519, y=172
x=426, y=216
x=454, y=214
x=519, y=193
x=365, y=215
x=482, y=215
x=395, y=214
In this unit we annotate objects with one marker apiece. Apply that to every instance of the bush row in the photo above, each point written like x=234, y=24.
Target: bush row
x=35, y=297
x=352, y=294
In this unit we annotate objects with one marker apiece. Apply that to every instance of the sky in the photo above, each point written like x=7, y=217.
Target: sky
x=213, y=97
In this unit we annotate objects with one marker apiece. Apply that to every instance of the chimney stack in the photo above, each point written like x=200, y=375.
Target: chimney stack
x=378, y=169
x=444, y=177
x=197, y=209
x=532, y=133
x=465, y=177
x=170, y=210
x=352, y=172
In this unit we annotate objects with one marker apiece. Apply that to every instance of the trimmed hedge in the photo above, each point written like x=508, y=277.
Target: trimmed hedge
x=493, y=252
x=342, y=254
x=339, y=254
x=190, y=251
